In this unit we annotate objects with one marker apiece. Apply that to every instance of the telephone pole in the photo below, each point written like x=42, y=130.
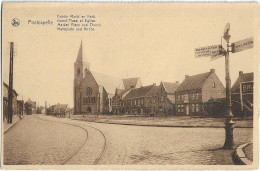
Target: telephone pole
x=10, y=90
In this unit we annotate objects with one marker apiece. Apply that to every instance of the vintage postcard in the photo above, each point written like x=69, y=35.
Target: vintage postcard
x=130, y=85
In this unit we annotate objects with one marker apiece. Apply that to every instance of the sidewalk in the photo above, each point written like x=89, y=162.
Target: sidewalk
x=6, y=126
x=244, y=154
x=169, y=121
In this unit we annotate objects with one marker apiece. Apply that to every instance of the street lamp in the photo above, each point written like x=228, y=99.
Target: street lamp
x=229, y=141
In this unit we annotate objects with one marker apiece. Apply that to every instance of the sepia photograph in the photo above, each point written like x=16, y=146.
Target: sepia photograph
x=130, y=85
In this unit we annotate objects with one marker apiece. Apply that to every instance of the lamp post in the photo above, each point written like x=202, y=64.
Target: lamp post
x=229, y=141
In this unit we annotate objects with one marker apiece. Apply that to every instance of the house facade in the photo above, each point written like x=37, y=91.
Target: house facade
x=242, y=94
x=5, y=101
x=148, y=100
x=196, y=90
x=30, y=107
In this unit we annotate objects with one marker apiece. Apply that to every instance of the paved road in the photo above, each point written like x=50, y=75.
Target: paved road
x=56, y=142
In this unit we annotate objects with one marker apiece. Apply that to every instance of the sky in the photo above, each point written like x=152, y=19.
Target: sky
x=155, y=42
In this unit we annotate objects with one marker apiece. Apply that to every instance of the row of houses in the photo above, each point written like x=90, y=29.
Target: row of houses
x=19, y=107
x=99, y=93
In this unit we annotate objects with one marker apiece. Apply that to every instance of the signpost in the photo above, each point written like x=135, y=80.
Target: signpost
x=208, y=51
x=242, y=45
x=216, y=52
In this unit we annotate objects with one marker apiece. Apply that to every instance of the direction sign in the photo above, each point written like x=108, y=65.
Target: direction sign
x=242, y=45
x=208, y=51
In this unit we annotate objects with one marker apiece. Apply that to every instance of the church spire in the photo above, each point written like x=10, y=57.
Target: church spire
x=80, y=54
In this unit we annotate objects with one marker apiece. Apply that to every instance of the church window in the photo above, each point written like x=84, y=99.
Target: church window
x=89, y=91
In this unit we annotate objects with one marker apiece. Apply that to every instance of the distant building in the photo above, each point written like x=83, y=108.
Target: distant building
x=196, y=90
x=93, y=92
x=5, y=101
x=149, y=100
x=117, y=99
x=40, y=110
x=135, y=101
x=243, y=88
x=30, y=107
x=166, y=97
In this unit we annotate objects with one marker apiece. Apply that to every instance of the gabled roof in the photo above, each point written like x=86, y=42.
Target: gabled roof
x=153, y=91
x=242, y=78
x=108, y=82
x=130, y=82
x=30, y=103
x=138, y=92
x=170, y=87
x=194, y=82
x=14, y=92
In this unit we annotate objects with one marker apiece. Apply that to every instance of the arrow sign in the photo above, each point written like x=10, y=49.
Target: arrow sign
x=208, y=51
x=242, y=45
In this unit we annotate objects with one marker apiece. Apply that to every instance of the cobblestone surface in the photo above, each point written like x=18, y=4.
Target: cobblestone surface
x=170, y=121
x=132, y=145
x=33, y=141
x=176, y=146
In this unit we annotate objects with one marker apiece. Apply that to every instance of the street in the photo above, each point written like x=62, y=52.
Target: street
x=40, y=139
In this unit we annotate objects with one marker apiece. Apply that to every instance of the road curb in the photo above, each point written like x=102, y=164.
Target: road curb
x=7, y=129
x=240, y=155
x=150, y=125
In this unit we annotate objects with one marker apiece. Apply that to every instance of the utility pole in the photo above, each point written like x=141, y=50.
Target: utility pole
x=10, y=90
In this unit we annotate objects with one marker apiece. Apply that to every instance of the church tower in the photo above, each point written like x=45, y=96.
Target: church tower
x=79, y=68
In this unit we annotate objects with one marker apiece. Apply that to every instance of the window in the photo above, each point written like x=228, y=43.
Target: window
x=182, y=108
x=193, y=96
x=197, y=107
x=88, y=91
x=78, y=71
x=186, y=97
x=193, y=107
x=213, y=84
x=197, y=96
x=178, y=97
x=179, y=108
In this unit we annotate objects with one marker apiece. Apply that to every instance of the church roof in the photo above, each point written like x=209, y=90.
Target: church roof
x=108, y=82
x=130, y=82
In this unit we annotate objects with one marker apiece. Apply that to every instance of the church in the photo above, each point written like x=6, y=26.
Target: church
x=93, y=91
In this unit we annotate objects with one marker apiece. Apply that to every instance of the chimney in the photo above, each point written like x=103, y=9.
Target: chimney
x=240, y=73
x=186, y=76
x=154, y=84
x=212, y=70
x=177, y=82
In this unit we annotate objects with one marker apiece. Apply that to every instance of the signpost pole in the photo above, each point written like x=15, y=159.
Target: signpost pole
x=229, y=141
